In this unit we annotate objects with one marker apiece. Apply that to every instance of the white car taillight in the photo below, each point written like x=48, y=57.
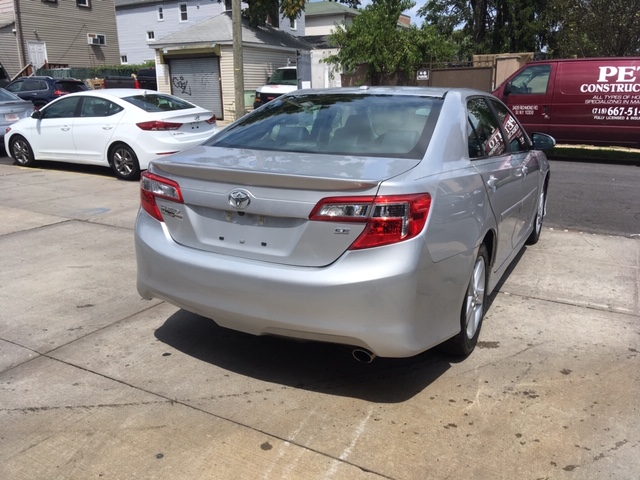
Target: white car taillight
x=152, y=186
x=158, y=125
x=390, y=219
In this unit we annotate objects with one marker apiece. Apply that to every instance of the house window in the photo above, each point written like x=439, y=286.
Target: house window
x=96, y=39
x=151, y=35
x=123, y=59
x=293, y=24
x=228, y=5
x=84, y=3
x=183, y=12
x=160, y=13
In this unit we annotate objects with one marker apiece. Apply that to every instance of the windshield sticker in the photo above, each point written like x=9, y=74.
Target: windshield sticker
x=524, y=109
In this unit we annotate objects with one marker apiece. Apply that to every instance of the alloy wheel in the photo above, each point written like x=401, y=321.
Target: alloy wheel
x=475, y=298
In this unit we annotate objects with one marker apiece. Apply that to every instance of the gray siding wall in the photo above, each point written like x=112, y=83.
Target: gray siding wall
x=134, y=23
x=285, y=26
x=6, y=7
x=63, y=26
x=9, y=51
x=260, y=63
x=228, y=82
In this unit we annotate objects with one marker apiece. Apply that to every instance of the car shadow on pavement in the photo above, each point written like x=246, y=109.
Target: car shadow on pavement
x=314, y=366
x=319, y=367
x=67, y=167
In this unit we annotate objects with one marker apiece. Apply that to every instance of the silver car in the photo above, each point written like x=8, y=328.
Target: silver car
x=12, y=109
x=379, y=218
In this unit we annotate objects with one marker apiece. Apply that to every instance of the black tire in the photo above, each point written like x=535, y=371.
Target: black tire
x=21, y=151
x=124, y=162
x=541, y=211
x=473, y=308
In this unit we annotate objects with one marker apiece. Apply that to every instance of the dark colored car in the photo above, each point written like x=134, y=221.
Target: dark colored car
x=41, y=90
x=145, y=79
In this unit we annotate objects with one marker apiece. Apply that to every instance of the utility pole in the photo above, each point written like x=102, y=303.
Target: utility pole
x=238, y=60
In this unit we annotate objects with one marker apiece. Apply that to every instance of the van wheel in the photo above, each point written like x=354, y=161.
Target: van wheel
x=124, y=162
x=473, y=309
x=21, y=151
x=540, y=214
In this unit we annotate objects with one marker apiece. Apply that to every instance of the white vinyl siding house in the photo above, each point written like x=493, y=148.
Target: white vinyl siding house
x=137, y=17
x=211, y=43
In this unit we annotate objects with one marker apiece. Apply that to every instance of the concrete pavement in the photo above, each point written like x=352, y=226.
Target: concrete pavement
x=98, y=383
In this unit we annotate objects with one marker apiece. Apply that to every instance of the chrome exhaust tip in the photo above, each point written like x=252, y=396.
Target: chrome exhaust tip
x=362, y=355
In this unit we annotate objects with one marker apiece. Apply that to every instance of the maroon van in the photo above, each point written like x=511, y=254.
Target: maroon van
x=594, y=101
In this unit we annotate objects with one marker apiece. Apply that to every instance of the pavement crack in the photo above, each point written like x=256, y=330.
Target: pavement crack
x=79, y=407
x=599, y=308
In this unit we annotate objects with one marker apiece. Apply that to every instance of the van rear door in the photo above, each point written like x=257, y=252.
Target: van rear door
x=529, y=93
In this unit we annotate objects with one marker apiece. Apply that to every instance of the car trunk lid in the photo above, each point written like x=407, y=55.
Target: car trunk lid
x=256, y=204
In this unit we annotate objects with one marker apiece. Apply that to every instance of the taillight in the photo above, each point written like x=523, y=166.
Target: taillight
x=154, y=186
x=212, y=120
x=389, y=219
x=58, y=93
x=136, y=83
x=156, y=125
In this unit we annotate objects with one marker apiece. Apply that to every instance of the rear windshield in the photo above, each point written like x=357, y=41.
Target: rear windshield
x=71, y=87
x=337, y=123
x=158, y=102
x=7, y=96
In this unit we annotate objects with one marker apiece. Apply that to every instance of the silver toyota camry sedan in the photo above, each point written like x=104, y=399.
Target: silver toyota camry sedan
x=378, y=218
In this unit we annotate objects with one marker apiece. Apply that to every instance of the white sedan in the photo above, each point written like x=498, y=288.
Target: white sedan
x=121, y=128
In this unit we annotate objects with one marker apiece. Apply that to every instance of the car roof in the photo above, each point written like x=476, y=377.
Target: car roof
x=46, y=77
x=117, y=92
x=439, y=92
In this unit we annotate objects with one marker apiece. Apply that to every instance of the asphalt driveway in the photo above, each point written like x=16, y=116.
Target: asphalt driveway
x=98, y=383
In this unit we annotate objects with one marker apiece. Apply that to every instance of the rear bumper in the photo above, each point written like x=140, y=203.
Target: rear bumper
x=150, y=148
x=362, y=299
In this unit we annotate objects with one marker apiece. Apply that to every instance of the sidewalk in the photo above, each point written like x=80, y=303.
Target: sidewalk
x=98, y=383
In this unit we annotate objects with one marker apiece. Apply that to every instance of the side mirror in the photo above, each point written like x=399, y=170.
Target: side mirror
x=507, y=89
x=542, y=141
x=37, y=114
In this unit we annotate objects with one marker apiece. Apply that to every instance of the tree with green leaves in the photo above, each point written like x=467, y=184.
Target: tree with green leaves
x=493, y=26
x=595, y=28
x=389, y=50
x=564, y=28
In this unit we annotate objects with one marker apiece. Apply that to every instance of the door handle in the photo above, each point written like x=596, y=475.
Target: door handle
x=65, y=128
x=491, y=183
x=107, y=127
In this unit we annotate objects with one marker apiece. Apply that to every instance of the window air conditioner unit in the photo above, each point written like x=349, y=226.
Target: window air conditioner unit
x=96, y=39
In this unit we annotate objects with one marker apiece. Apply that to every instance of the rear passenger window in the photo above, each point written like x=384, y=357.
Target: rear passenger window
x=485, y=137
x=518, y=141
x=30, y=85
x=98, y=107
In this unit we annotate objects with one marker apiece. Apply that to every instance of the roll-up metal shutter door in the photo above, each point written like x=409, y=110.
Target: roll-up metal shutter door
x=197, y=80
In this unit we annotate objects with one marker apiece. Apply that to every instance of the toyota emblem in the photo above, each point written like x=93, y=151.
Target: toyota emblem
x=239, y=199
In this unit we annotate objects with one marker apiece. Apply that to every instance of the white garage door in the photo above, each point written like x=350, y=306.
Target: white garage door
x=197, y=80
